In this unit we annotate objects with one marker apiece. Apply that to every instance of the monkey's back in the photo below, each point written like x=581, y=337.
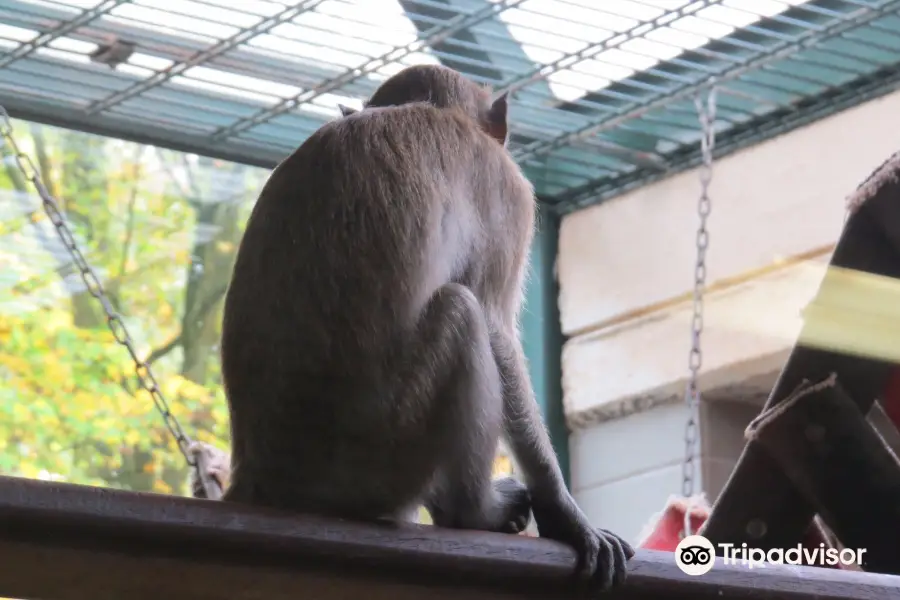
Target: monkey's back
x=349, y=239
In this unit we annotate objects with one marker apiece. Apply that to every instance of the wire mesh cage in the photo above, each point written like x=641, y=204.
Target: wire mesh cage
x=602, y=91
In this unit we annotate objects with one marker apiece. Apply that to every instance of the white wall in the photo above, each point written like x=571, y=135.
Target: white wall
x=627, y=261
x=626, y=274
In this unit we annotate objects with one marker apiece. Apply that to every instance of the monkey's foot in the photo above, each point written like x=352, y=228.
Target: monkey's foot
x=602, y=555
x=515, y=502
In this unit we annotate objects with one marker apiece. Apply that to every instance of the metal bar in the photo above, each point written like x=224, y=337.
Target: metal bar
x=452, y=26
x=128, y=127
x=861, y=17
x=603, y=188
x=118, y=544
x=62, y=29
x=570, y=59
x=160, y=77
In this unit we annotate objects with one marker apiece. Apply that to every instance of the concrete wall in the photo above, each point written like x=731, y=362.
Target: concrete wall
x=625, y=269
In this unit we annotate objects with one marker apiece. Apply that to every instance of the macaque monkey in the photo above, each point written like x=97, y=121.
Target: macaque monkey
x=370, y=346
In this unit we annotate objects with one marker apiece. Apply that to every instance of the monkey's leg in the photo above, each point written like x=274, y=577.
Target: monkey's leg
x=468, y=423
x=602, y=554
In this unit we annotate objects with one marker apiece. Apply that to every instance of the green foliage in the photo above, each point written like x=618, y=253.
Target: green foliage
x=160, y=229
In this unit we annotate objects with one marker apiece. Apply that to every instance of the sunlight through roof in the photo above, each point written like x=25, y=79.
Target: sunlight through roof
x=602, y=89
x=550, y=29
x=340, y=34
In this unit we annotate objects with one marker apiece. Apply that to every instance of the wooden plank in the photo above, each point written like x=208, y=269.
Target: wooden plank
x=759, y=505
x=67, y=542
x=833, y=456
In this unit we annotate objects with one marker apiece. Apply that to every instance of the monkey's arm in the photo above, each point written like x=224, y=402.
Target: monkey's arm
x=603, y=555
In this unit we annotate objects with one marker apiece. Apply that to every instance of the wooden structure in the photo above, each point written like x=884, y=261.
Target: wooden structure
x=69, y=542
x=812, y=449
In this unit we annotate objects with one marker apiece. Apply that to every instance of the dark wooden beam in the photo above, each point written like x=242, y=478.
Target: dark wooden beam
x=834, y=457
x=759, y=505
x=68, y=542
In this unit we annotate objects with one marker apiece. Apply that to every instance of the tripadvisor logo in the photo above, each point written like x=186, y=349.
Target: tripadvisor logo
x=696, y=555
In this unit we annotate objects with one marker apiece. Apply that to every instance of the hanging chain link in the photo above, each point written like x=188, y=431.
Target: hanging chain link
x=114, y=321
x=707, y=115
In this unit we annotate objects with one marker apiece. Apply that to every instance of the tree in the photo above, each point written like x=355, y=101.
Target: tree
x=161, y=236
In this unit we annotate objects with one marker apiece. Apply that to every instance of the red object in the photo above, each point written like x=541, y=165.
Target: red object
x=665, y=534
x=890, y=400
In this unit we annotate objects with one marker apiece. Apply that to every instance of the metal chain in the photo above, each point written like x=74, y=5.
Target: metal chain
x=95, y=288
x=707, y=116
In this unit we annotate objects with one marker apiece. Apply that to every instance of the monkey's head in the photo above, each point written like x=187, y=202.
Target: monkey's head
x=444, y=88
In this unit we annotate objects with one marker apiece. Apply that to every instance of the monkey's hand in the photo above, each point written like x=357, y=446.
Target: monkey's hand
x=602, y=555
x=515, y=502
x=217, y=463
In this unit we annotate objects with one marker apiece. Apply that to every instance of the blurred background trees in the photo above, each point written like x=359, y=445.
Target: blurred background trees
x=161, y=229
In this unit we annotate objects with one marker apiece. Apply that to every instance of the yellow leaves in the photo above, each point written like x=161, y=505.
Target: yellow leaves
x=84, y=400
x=192, y=391
x=502, y=466
x=157, y=436
x=14, y=363
x=56, y=320
x=55, y=372
x=172, y=385
x=225, y=247
x=30, y=471
x=161, y=487
x=143, y=397
x=132, y=437
x=149, y=468
x=21, y=413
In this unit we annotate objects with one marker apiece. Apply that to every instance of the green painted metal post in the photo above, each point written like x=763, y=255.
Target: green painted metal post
x=542, y=337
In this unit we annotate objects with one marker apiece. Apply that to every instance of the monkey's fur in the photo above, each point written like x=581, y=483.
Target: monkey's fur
x=370, y=346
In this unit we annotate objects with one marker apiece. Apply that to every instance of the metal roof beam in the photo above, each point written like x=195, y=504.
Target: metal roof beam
x=570, y=59
x=867, y=88
x=125, y=127
x=288, y=70
x=62, y=29
x=438, y=35
x=466, y=59
x=160, y=77
x=859, y=17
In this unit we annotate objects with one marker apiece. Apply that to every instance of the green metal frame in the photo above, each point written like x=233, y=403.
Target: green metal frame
x=542, y=336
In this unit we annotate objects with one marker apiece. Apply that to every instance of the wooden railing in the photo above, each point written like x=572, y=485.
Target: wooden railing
x=68, y=542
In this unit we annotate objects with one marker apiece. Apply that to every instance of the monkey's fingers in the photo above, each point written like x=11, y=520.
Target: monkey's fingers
x=626, y=547
x=618, y=559
x=605, y=567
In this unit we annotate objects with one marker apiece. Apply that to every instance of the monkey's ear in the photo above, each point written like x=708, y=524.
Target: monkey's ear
x=496, y=119
x=346, y=111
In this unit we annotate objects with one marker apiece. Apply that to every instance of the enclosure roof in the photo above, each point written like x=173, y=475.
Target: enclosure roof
x=603, y=89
